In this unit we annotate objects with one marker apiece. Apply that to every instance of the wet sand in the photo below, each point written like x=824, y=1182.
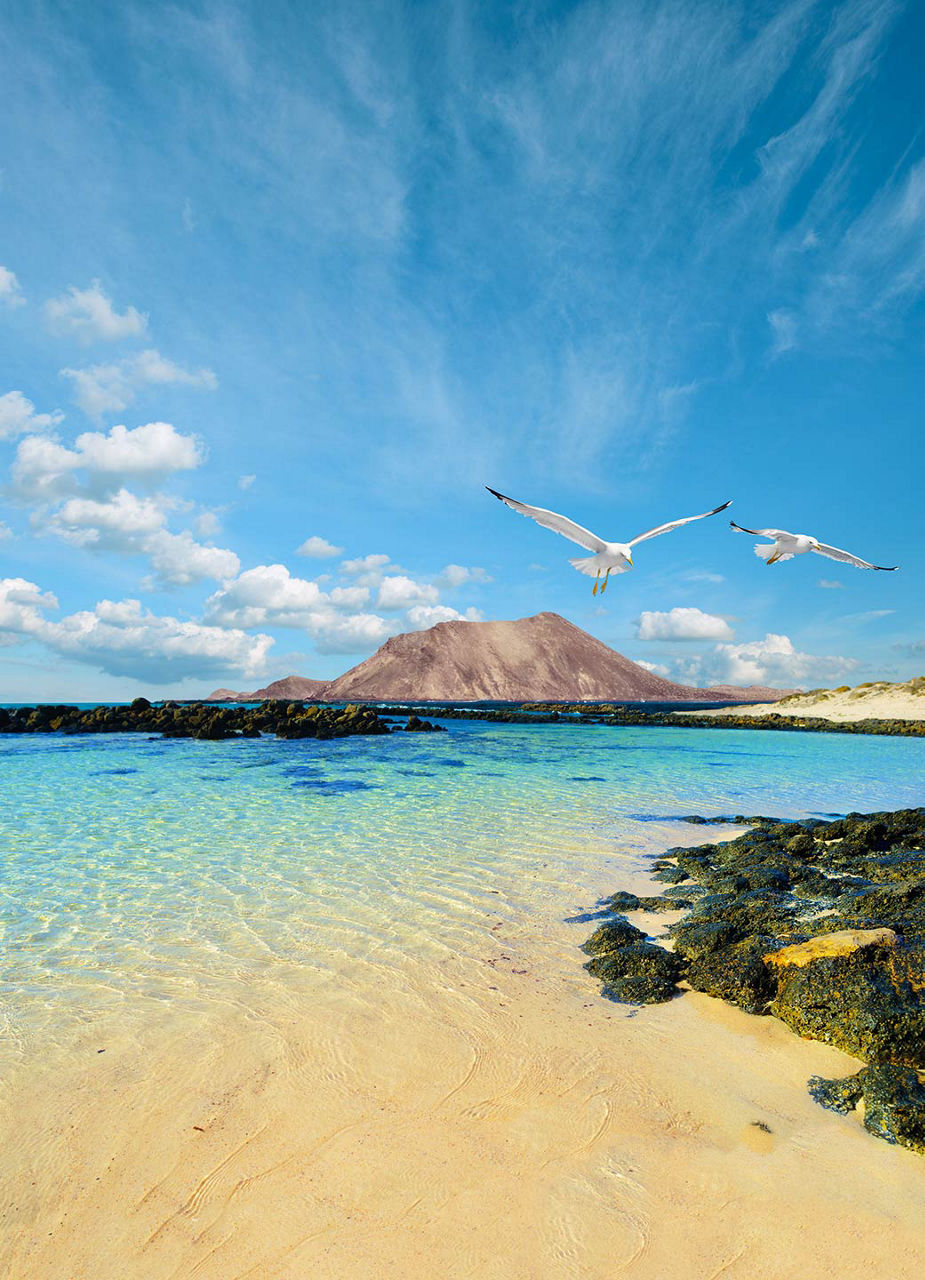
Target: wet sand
x=472, y=1114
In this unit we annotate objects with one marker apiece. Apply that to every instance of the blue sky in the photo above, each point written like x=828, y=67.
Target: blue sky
x=283, y=286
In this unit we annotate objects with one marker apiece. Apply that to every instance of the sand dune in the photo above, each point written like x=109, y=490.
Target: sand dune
x=876, y=701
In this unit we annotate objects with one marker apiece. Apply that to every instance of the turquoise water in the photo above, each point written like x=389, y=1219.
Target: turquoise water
x=138, y=875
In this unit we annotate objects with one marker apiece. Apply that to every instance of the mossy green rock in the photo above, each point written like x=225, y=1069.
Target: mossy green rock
x=894, y=1105
x=641, y=973
x=738, y=974
x=836, y=1095
x=615, y=933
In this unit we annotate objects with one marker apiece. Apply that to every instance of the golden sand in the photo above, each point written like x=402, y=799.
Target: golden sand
x=484, y=1115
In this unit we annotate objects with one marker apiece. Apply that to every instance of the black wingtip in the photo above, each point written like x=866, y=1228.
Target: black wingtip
x=499, y=496
x=716, y=510
x=887, y=568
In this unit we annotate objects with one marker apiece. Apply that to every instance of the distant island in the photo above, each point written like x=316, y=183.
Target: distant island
x=538, y=659
x=873, y=700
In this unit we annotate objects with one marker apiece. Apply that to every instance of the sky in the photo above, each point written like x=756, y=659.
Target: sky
x=283, y=287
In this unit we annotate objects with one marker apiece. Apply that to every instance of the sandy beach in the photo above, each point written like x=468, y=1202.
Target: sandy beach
x=876, y=701
x=479, y=1114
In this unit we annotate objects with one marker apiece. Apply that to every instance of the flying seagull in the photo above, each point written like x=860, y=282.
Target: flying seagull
x=787, y=545
x=609, y=557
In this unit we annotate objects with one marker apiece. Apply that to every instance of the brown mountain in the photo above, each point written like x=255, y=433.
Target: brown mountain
x=543, y=658
x=290, y=688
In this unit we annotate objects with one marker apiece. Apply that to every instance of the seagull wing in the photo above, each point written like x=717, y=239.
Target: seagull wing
x=550, y=520
x=762, y=533
x=835, y=553
x=675, y=524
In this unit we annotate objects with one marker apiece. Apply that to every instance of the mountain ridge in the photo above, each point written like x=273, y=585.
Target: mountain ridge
x=539, y=658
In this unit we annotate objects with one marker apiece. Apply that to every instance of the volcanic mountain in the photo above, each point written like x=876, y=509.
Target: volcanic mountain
x=543, y=658
x=289, y=689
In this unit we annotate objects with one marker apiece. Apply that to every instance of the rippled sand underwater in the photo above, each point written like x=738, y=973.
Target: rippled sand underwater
x=295, y=1008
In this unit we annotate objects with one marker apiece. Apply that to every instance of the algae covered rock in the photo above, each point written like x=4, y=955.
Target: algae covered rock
x=738, y=974
x=640, y=973
x=611, y=935
x=894, y=1105
x=836, y=1095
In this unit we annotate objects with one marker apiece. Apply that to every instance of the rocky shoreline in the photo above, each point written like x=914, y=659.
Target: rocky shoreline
x=820, y=924
x=202, y=721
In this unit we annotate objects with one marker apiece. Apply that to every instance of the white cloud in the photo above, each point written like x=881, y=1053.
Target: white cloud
x=399, y=592
x=422, y=616
x=10, y=292
x=178, y=559
x=102, y=388
x=455, y=575
x=5, y=532
x=44, y=467
x=122, y=638
x=89, y=315
x=18, y=416
x=350, y=633
x=21, y=606
x=319, y=548
x=373, y=564
x=207, y=524
x=657, y=668
x=116, y=523
x=245, y=482
x=682, y=624
x=267, y=595
x=831, y=584
x=703, y=575
x=772, y=661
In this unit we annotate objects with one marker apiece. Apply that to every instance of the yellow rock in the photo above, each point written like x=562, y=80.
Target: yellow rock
x=828, y=945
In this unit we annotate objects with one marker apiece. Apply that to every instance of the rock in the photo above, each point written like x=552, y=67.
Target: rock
x=829, y=945
x=836, y=1095
x=739, y=974
x=640, y=973
x=611, y=935
x=894, y=1105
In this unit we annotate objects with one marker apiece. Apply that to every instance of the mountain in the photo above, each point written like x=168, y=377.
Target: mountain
x=543, y=658
x=290, y=688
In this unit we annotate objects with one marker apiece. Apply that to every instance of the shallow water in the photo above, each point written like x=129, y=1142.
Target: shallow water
x=137, y=870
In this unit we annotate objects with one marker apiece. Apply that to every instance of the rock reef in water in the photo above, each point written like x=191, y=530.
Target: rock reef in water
x=197, y=720
x=820, y=924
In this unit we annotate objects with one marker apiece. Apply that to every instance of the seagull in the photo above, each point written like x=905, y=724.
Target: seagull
x=609, y=557
x=787, y=545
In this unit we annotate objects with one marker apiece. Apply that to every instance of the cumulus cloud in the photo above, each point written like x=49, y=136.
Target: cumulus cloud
x=422, y=616
x=398, y=592
x=264, y=596
x=104, y=388
x=44, y=468
x=178, y=559
x=21, y=607
x=319, y=549
x=88, y=314
x=682, y=624
x=455, y=575
x=773, y=661
x=373, y=564
x=350, y=633
x=18, y=416
x=124, y=639
x=117, y=523
x=10, y=292
x=657, y=668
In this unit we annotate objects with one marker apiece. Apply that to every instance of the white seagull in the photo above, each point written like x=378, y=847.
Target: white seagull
x=787, y=545
x=609, y=557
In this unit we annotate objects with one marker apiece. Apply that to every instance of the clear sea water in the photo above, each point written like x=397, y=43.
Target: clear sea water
x=139, y=876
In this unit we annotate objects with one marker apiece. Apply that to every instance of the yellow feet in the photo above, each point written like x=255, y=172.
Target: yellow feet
x=594, y=588
x=774, y=559
x=604, y=583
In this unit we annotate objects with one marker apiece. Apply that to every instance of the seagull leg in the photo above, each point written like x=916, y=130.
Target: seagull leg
x=774, y=559
x=606, y=580
x=597, y=580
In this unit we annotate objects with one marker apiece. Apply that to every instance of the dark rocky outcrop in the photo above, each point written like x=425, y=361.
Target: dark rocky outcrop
x=197, y=720
x=821, y=924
